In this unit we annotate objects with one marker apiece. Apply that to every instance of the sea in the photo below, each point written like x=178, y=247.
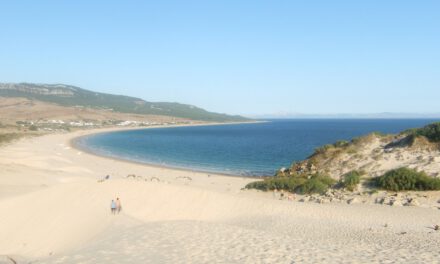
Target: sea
x=251, y=149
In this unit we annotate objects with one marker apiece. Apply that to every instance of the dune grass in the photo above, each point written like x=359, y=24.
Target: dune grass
x=302, y=184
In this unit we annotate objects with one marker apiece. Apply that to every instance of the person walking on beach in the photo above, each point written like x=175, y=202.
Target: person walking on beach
x=118, y=205
x=113, y=207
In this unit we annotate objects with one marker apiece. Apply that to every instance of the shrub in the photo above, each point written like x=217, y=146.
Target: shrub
x=379, y=134
x=351, y=180
x=259, y=185
x=431, y=132
x=33, y=128
x=323, y=149
x=337, y=144
x=404, y=179
x=285, y=183
x=341, y=144
x=316, y=183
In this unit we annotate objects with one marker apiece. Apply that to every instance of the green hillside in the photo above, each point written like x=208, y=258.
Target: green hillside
x=67, y=95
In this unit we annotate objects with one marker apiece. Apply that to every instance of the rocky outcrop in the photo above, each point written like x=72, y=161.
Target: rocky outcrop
x=392, y=199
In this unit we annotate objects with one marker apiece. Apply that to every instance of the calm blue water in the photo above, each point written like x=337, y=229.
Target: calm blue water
x=245, y=149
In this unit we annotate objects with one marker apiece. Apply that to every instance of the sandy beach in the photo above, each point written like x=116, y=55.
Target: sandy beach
x=54, y=208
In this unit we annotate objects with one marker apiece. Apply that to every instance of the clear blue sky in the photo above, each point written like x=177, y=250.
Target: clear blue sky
x=246, y=57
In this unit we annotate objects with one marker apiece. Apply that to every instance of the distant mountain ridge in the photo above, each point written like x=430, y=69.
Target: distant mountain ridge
x=384, y=115
x=67, y=95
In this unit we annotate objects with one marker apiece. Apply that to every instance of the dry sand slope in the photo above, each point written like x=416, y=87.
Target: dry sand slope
x=53, y=210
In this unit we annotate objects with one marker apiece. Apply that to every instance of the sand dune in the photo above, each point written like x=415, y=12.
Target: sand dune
x=61, y=215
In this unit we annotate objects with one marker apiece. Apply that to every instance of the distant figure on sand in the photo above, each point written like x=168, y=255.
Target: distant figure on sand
x=113, y=207
x=118, y=205
x=104, y=179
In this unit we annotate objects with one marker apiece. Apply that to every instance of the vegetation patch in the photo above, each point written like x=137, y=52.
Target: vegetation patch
x=8, y=137
x=350, y=147
x=405, y=179
x=431, y=132
x=351, y=179
x=302, y=184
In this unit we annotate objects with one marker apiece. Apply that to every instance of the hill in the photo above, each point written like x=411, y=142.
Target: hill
x=17, y=110
x=67, y=95
x=356, y=170
x=375, y=154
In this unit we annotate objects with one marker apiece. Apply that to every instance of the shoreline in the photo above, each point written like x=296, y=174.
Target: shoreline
x=83, y=164
x=73, y=142
x=56, y=210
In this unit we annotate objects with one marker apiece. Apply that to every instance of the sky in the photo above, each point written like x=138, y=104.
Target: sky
x=237, y=57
